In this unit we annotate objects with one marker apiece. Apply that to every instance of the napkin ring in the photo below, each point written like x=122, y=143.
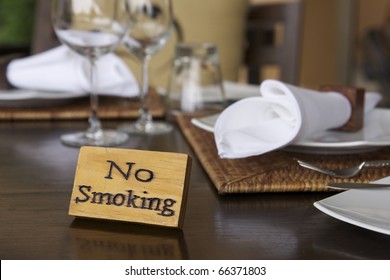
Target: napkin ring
x=356, y=97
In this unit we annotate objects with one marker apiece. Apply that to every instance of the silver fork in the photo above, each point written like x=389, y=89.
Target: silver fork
x=346, y=172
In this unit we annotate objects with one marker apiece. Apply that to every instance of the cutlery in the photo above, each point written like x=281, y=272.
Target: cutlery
x=348, y=186
x=346, y=172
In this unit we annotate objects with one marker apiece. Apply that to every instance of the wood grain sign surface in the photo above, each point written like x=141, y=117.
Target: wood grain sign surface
x=131, y=185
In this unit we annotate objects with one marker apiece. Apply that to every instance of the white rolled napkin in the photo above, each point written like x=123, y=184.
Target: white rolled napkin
x=61, y=69
x=282, y=115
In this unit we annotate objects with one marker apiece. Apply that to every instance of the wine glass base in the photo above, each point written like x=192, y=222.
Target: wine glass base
x=107, y=139
x=151, y=128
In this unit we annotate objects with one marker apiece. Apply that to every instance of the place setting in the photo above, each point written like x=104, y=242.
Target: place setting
x=53, y=85
x=292, y=139
x=60, y=76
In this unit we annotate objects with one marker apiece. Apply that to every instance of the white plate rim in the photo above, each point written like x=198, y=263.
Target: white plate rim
x=331, y=206
x=350, y=144
x=345, y=216
x=20, y=94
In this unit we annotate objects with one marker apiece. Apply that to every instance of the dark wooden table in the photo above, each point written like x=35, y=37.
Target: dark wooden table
x=36, y=179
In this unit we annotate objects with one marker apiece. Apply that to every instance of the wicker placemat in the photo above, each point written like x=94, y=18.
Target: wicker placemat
x=109, y=108
x=276, y=171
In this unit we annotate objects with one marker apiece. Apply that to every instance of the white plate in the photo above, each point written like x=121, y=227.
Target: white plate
x=375, y=134
x=369, y=209
x=32, y=98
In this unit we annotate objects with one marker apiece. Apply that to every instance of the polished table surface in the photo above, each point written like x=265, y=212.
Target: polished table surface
x=36, y=179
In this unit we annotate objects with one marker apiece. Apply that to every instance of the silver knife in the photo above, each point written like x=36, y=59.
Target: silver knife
x=349, y=186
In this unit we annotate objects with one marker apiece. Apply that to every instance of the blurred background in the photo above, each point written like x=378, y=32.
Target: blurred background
x=341, y=42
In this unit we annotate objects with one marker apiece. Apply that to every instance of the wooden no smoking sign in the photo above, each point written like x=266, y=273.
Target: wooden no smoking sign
x=131, y=185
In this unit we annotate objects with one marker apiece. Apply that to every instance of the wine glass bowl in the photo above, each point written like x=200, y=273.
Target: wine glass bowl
x=151, y=26
x=91, y=28
x=147, y=38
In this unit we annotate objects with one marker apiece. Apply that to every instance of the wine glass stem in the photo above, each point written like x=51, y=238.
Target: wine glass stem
x=95, y=129
x=144, y=117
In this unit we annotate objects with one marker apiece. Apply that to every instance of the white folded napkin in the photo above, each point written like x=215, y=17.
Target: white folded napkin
x=61, y=69
x=282, y=115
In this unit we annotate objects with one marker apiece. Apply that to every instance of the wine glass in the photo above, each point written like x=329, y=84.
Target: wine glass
x=151, y=26
x=91, y=28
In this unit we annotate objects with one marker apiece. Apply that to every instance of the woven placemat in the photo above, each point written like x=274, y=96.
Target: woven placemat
x=109, y=108
x=275, y=171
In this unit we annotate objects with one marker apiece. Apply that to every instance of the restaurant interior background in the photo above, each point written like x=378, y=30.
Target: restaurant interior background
x=331, y=46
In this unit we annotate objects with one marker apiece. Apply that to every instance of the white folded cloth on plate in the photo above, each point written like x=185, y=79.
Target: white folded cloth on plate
x=61, y=69
x=282, y=115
